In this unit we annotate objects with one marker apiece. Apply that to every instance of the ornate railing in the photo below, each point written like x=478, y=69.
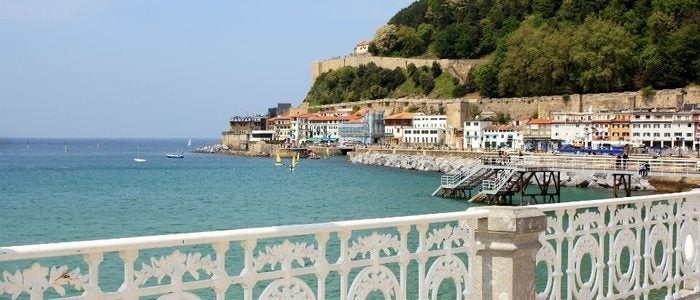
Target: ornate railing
x=640, y=247
x=400, y=258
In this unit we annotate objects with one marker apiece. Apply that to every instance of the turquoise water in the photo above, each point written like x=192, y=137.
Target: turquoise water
x=90, y=192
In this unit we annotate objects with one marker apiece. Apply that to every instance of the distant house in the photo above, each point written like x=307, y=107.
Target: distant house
x=362, y=48
x=426, y=130
x=394, y=126
x=240, y=131
x=537, y=135
x=282, y=127
x=474, y=133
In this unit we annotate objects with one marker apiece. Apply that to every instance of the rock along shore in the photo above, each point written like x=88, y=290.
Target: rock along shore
x=222, y=149
x=581, y=179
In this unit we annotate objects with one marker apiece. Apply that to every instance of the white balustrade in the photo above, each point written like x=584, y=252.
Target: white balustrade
x=637, y=247
x=339, y=260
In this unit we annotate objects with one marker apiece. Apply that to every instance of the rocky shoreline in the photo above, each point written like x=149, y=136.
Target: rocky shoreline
x=581, y=179
x=222, y=149
x=427, y=163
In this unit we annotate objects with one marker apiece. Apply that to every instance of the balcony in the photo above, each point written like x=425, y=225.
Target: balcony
x=637, y=247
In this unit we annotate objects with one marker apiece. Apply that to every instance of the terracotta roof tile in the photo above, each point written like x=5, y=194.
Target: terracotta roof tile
x=540, y=121
x=400, y=116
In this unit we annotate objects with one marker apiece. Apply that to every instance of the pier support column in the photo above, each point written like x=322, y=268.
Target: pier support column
x=505, y=268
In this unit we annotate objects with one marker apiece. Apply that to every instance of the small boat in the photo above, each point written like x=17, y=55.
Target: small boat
x=278, y=160
x=175, y=155
x=138, y=158
x=313, y=155
x=178, y=154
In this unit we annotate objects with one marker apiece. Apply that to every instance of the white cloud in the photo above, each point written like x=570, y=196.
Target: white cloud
x=42, y=10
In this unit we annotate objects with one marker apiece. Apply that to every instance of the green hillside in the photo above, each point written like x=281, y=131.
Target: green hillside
x=537, y=47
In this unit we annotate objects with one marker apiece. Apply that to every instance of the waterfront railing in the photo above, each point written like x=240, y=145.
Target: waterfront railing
x=657, y=167
x=636, y=247
x=338, y=260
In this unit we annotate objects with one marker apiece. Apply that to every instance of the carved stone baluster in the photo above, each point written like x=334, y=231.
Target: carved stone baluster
x=344, y=263
x=696, y=279
x=677, y=251
x=220, y=276
x=403, y=256
x=422, y=257
x=559, y=234
x=321, y=264
x=93, y=260
x=570, y=235
x=647, y=247
x=128, y=287
x=248, y=273
x=601, y=229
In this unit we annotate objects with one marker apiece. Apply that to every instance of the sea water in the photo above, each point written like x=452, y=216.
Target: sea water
x=57, y=190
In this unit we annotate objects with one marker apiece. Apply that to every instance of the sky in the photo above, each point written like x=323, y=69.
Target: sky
x=165, y=68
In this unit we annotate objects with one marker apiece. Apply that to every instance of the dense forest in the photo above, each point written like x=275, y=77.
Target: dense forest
x=548, y=47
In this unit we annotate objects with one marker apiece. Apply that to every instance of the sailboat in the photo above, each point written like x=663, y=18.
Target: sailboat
x=328, y=153
x=189, y=143
x=65, y=147
x=293, y=164
x=278, y=160
x=138, y=158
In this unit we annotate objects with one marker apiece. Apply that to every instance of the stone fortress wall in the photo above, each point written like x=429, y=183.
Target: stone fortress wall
x=458, y=68
x=521, y=106
x=543, y=105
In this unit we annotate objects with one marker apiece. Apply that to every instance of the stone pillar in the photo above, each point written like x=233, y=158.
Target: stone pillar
x=505, y=268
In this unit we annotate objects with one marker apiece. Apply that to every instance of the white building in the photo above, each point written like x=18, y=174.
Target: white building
x=505, y=137
x=572, y=127
x=426, y=129
x=361, y=48
x=395, y=125
x=663, y=129
x=474, y=133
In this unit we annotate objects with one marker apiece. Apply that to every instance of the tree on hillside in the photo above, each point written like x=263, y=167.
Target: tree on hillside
x=412, y=15
x=402, y=41
x=602, y=56
x=458, y=41
x=596, y=56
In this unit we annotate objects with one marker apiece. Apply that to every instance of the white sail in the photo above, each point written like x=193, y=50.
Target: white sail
x=138, y=158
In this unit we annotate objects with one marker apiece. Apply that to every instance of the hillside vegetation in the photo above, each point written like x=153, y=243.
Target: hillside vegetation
x=350, y=84
x=540, y=47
